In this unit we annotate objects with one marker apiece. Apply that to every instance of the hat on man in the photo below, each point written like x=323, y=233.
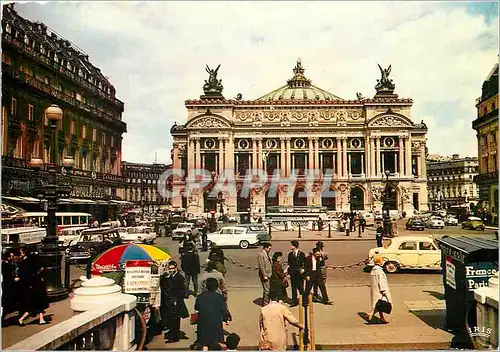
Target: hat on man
x=319, y=244
x=295, y=243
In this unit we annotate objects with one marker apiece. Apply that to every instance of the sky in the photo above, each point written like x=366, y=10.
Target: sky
x=155, y=53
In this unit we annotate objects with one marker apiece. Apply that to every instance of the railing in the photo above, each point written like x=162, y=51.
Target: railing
x=108, y=327
x=47, y=88
x=487, y=176
x=46, y=61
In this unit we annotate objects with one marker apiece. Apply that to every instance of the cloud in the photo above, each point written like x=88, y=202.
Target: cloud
x=155, y=54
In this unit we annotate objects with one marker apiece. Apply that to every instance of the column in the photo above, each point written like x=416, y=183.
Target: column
x=311, y=154
x=344, y=156
x=316, y=154
x=282, y=157
x=254, y=153
x=229, y=154
x=423, y=164
x=377, y=162
x=368, y=157
x=197, y=147
x=401, y=157
x=338, y=169
x=260, y=156
x=349, y=165
x=372, y=157
x=176, y=162
x=221, y=155
x=395, y=163
x=288, y=157
x=383, y=163
x=362, y=163
x=190, y=154
x=407, y=143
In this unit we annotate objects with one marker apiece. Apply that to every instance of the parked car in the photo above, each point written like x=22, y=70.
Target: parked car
x=184, y=229
x=93, y=242
x=435, y=222
x=138, y=234
x=415, y=224
x=473, y=223
x=451, y=220
x=70, y=235
x=111, y=224
x=233, y=236
x=408, y=252
x=261, y=230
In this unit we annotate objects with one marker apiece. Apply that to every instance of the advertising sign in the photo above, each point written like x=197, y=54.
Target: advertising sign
x=450, y=273
x=137, y=276
x=478, y=274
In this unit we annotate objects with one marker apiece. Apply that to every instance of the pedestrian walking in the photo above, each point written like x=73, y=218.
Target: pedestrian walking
x=8, y=285
x=217, y=255
x=273, y=332
x=296, y=260
x=352, y=222
x=313, y=277
x=348, y=226
x=211, y=310
x=211, y=272
x=379, y=288
x=190, y=265
x=394, y=228
x=324, y=270
x=379, y=233
x=362, y=223
x=172, y=307
x=265, y=270
x=278, y=281
x=33, y=298
x=204, y=237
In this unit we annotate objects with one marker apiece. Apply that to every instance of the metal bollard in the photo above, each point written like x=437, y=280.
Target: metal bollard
x=301, y=321
x=329, y=229
x=306, y=328
x=270, y=230
x=312, y=342
x=67, y=268
x=300, y=231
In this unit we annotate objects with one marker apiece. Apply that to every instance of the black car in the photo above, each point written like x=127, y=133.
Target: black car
x=93, y=242
x=415, y=224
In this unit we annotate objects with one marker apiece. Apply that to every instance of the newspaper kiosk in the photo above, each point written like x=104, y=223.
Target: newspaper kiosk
x=467, y=264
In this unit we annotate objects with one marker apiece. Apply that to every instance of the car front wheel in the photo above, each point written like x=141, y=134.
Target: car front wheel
x=209, y=244
x=391, y=267
x=244, y=244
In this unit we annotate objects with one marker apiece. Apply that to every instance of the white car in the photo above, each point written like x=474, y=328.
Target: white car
x=408, y=252
x=138, y=234
x=233, y=236
x=435, y=222
x=183, y=229
x=451, y=220
x=70, y=235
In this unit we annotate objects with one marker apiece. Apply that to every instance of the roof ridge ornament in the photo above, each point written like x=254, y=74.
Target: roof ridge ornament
x=298, y=79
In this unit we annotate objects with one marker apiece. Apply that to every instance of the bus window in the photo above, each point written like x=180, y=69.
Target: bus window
x=74, y=220
x=84, y=220
x=66, y=220
x=59, y=220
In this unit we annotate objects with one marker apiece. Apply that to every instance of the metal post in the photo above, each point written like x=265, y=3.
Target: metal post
x=329, y=229
x=300, y=231
x=301, y=321
x=306, y=327
x=270, y=231
x=312, y=344
x=67, y=272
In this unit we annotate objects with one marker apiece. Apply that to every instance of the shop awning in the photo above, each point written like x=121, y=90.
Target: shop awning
x=18, y=199
x=121, y=202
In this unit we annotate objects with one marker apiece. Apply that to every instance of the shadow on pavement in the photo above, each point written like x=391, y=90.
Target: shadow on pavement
x=259, y=301
x=438, y=295
x=434, y=318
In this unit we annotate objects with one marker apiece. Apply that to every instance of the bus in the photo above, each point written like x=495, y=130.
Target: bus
x=64, y=219
x=26, y=235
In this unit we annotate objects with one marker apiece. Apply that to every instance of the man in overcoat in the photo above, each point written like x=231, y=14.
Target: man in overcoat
x=265, y=266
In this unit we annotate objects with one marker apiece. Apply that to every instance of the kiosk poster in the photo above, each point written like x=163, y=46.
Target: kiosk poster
x=138, y=277
x=450, y=273
x=478, y=274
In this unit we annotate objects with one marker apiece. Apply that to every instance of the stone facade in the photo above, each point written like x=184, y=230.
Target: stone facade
x=486, y=126
x=299, y=127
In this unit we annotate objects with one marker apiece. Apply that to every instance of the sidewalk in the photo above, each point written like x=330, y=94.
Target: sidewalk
x=415, y=323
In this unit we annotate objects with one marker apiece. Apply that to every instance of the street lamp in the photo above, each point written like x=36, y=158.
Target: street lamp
x=50, y=254
x=386, y=207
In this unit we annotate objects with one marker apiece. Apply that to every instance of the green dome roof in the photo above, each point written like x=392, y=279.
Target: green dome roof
x=299, y=88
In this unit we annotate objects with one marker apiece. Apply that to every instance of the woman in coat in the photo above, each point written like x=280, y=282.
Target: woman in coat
x=8, y=285
x=172, y=306
x=278, y=281
x=212, y=313
x=379, y=287
x=32, y=287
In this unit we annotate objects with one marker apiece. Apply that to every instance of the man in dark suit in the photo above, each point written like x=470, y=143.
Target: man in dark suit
x=190, y=264
x=313, y=266
x=296, y=259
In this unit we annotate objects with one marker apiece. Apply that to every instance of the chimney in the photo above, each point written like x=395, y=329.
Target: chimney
x=455, y=156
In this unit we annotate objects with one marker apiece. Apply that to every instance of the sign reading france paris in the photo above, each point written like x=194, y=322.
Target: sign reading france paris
x=137, y=276
x=478, y=274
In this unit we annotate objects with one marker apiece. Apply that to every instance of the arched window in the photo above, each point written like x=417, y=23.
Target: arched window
x=357, y=199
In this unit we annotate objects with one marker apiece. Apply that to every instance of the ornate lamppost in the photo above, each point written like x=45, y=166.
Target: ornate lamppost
x=386, y=207
x=50, y=254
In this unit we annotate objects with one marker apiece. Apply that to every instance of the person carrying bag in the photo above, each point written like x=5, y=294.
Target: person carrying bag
x=381, y=300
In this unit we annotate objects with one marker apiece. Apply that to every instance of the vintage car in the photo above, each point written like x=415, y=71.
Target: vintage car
x=415, y=224
x=450, y=220
x=233, y=236
x=70, y=235
x=261, y=230
x=138, y=234
x=473, y=223
x=407, y=252
x=184, y=229
x=93, y=242
x=435, y=222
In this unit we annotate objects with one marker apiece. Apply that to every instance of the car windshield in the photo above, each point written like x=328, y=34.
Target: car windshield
x=184, y=226
x=257, y=228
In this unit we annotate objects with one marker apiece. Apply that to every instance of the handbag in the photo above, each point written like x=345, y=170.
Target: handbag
x=383, y=306
x=193, y=320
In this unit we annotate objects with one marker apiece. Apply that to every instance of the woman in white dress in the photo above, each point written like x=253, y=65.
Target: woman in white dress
x=379, y=287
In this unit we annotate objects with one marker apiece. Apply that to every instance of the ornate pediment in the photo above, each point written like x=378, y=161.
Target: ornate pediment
x=208, y=122
x=390, y=120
